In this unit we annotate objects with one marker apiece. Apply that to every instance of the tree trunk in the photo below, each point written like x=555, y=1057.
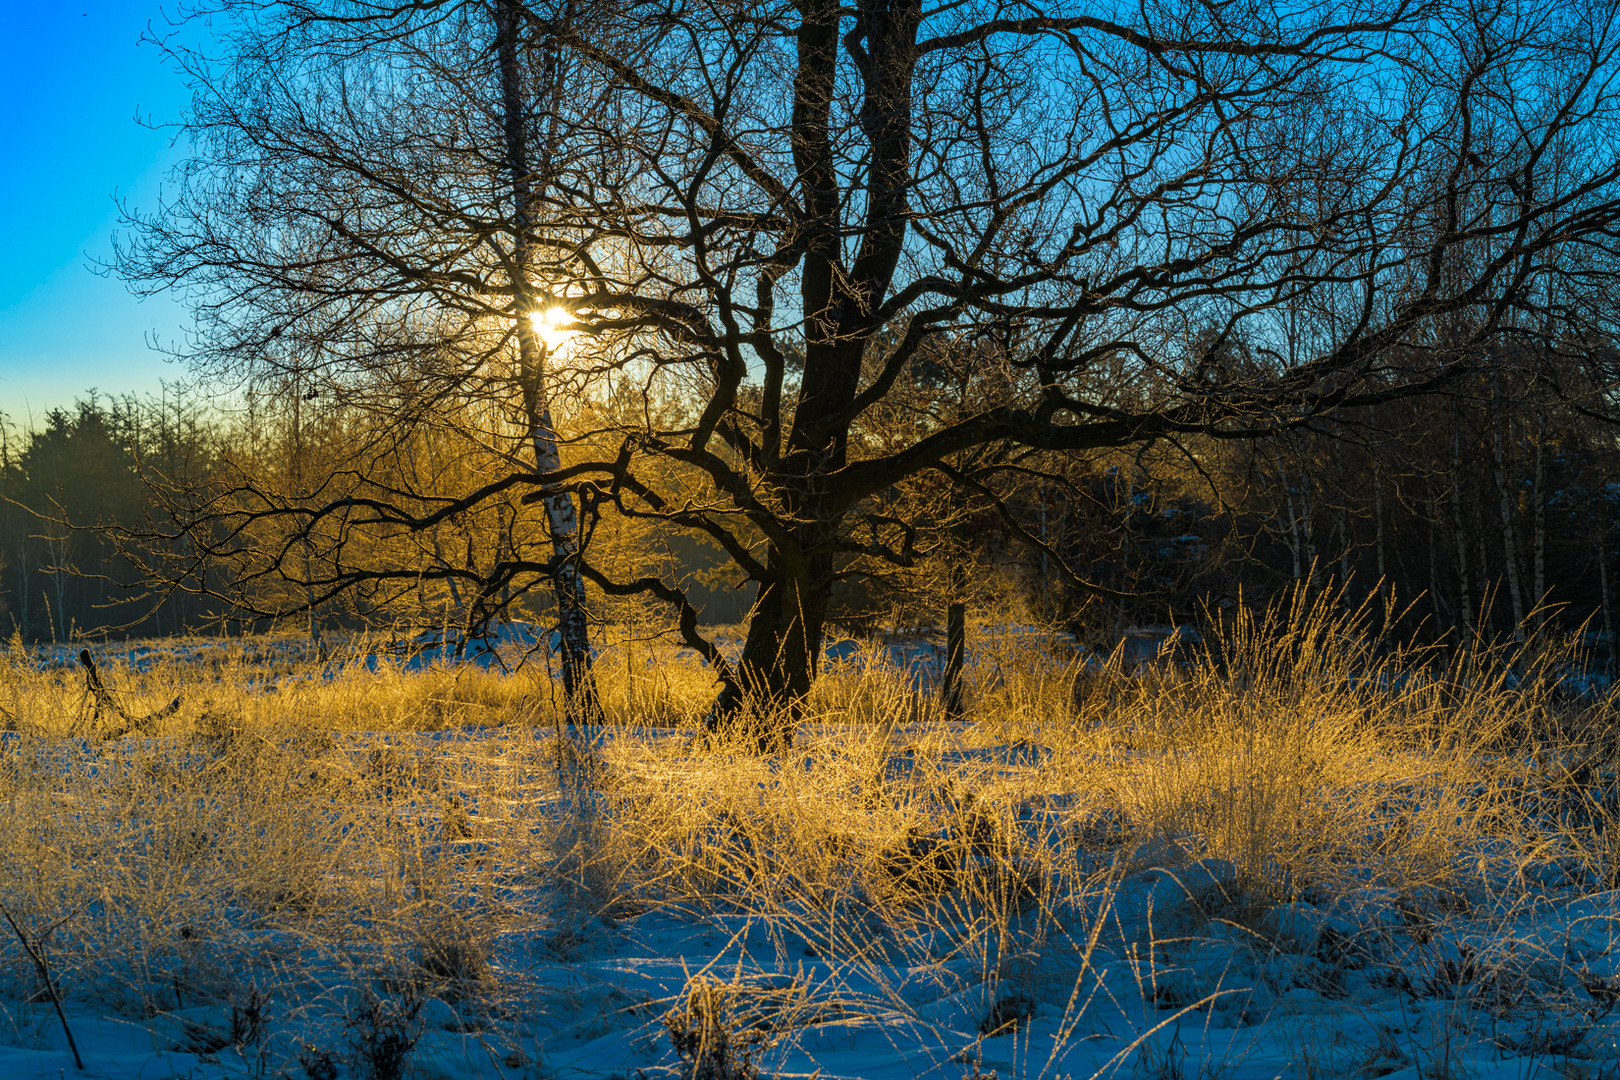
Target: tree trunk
x=1603, y=600
x=58, y=546
x=306, y=545
x=1294, y=542
x=955, y=652
x=1342, y=513
x=24, y=593
x=1432, y=527
x=579, y=682
x=1538, y=522
x=1465, y=610
x=1048, y=610
x=1505, y=502
x=780, y=656
x=1380, y=542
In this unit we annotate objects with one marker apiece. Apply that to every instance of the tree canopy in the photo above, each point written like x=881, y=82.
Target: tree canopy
x=869, y=248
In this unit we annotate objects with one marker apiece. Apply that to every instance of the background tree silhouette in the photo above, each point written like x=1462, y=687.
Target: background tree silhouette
x=1033, y=229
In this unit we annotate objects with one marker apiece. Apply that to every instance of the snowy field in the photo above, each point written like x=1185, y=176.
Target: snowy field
x=1288, y=867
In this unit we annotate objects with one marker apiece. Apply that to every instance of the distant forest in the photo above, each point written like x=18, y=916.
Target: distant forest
x=1484, y=508
x=64, y=476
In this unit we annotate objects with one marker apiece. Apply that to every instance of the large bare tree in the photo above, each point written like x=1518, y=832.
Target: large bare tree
x=883, y=239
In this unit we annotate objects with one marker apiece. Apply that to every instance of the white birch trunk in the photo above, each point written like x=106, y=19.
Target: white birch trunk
x=579, y=683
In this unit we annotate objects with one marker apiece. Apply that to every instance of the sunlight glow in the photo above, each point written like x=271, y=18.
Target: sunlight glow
x=555, y=326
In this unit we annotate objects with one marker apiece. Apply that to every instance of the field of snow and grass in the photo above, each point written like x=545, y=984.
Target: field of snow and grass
x=1315, y=858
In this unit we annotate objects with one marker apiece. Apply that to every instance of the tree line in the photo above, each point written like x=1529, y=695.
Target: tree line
x=1492, y=508
x=71, y=470
x=1486, y=510
x=99, y=510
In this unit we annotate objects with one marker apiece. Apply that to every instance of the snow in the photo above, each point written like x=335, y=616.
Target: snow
x=1164, y=972
x=500, y=647
x=1157, y=967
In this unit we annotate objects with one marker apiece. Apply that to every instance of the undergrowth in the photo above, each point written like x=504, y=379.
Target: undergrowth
x=324, y=826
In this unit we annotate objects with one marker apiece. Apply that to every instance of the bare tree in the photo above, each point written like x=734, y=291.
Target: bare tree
x=1029, y=227
x=361, y=222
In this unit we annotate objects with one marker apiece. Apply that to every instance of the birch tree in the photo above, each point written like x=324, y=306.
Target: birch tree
x=363, y=211
x=1054, y=216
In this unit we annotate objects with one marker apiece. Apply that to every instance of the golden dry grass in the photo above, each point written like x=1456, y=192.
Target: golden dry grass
x=398, y=822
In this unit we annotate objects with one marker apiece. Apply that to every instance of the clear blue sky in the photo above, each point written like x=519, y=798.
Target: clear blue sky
x=73, y=79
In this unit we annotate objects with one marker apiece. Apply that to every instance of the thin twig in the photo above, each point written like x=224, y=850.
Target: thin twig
x=45, y=977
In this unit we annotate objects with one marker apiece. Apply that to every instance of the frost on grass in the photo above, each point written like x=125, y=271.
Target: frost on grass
x=1310, y=857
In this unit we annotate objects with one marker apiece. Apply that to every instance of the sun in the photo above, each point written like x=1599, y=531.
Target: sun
x=555, y=326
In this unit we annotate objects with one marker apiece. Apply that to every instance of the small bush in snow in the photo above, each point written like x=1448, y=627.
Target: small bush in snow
x=710, y=1038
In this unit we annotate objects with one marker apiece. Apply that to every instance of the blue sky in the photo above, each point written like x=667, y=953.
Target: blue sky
x=73, y=78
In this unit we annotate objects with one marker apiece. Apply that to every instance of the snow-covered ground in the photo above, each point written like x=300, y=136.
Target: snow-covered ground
x=1334, y=990
x=1164, y=972
x=481, y=950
